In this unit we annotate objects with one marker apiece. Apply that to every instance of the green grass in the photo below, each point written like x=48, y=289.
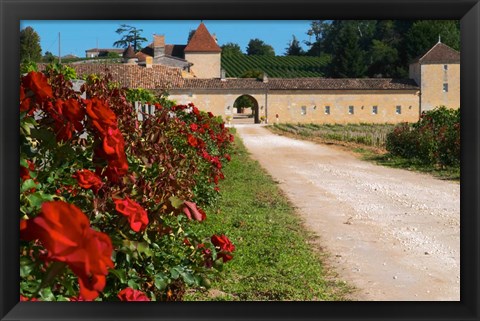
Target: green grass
x=274, y=257
x=446, y=173
x=365, y=140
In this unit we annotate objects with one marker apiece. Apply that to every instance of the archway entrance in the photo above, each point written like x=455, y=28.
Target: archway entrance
x=245, y=110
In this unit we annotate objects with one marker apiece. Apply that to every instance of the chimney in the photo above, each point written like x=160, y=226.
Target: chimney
x=158, y=46
x=222, y=75
x=148, y=62
x=214, y=36
x=265, y=78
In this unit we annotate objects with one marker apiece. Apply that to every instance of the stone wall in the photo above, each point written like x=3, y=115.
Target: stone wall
x=310, y=106
x=434, y=76
x=205, y=65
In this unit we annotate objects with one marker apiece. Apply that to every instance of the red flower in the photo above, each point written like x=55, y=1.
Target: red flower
x=192, y=140
x=130, y=294
x=25, y=172
x=227, y=157
x=210, y=114
x=37, y=82
x=64, y=230
x=195, y=110
x=194, y=127
x=113, y=144
x=24, y=298
x=224, y=245
x=192, y=211
x=137, y=216
x=102, y=116
x=88, y=180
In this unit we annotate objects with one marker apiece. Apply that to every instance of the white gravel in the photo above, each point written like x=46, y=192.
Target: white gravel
x=393, y=234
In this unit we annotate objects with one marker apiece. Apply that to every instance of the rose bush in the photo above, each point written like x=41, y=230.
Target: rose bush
x=110, y=206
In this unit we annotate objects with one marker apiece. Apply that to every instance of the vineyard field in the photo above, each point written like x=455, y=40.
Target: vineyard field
x=277, y=67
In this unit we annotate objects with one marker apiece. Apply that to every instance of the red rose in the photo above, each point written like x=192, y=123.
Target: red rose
x=195, y=110
x=88, y=180
x=64, y=230
x=194, y=127
x=130, y=294
x=24, y=298
x=192, y=140
x=37, y=82
x=113, y=143
x=192, y=211
x=102, y=116
x=227, y=157
x=223, y=244
x=137, y=216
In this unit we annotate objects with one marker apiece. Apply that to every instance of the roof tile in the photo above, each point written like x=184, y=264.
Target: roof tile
x=202, y=41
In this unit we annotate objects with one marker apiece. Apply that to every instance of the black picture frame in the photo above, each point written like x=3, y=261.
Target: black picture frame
x=13, y=11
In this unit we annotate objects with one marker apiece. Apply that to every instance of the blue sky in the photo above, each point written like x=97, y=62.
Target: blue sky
x=78, y=36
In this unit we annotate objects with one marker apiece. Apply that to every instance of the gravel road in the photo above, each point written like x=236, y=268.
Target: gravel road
x=391, y=233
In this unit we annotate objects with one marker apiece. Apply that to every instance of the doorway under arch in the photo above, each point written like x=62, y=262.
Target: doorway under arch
x=245, y=110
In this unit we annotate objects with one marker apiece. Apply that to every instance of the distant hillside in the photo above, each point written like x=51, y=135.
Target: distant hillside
x=278, y=66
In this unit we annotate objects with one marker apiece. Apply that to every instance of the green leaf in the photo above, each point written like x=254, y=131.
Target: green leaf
x=120, y=274
x=188, y=278
x=47, y=295
x=26, y=267
x=27, y=185
x=36, y=199
x=161, y=282
x=176, y=202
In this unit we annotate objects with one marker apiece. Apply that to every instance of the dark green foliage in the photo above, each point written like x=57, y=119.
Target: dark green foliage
x=30, y=49
x=257, y=47
x=294, y=48
x=434, y=139
x=131, y=36
x=231, y=49
x=348, y=60
x=384, y=47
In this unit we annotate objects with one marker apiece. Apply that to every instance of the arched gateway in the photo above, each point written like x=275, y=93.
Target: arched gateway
x=245, y=110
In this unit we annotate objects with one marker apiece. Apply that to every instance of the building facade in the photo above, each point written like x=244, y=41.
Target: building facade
x=192, y=73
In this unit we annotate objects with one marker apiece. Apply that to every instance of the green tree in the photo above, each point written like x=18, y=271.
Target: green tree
x=190, y=35
x=131, y=36
x=252, y=74
x=383, y=59
x=348, y=57
x=294, y=48
x=30, y=49
x=424, y=34
x=48, y=57
x=231, y=49
x=259, y=48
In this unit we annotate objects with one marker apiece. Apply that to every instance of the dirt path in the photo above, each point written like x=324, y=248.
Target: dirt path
x=393, y=234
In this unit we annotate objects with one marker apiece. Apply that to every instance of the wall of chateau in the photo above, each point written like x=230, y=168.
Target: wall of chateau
x=434, y=76
x=205, y=65
x=310, y=107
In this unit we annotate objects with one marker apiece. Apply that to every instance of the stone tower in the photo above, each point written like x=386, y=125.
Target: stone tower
x=203, y=51
x=437, y=73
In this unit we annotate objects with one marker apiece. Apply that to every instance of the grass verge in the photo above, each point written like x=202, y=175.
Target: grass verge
x=274, y=259
x=375, y=154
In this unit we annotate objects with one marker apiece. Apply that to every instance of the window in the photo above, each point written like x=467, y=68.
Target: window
x=327, y=110
x=445, y=87
x=375, y=110
x=304, y=110
x=350, y=110
x=445, y=67
x=398, y=110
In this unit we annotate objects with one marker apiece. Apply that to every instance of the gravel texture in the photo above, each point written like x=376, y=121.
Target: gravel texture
x=393, y=234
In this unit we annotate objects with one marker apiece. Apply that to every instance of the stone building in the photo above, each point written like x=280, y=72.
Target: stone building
x=192, y=73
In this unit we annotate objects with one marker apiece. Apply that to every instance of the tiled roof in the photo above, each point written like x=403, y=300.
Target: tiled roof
x=170, y=50
x=163, y=77
x=175, y=51
x=301, y=84
x=129, y=52
x=133, y=76
x=438, y=54
x=105, y=50
x=202, y=41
